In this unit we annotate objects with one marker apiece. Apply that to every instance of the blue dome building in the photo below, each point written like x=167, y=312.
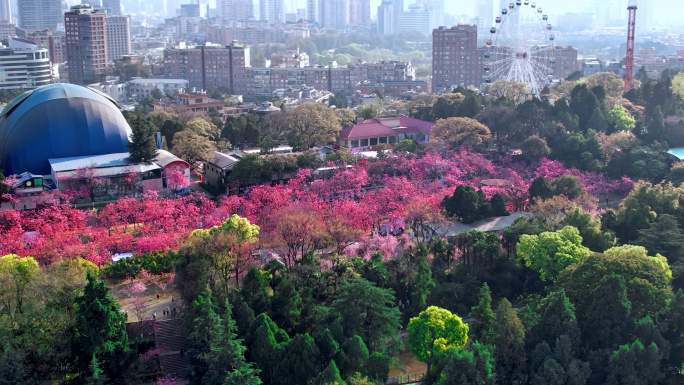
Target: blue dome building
x=58, y=121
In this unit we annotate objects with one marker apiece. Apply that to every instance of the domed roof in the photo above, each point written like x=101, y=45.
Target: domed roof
x=57, y=121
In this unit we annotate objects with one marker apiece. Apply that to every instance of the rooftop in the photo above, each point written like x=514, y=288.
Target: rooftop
x=377, y=127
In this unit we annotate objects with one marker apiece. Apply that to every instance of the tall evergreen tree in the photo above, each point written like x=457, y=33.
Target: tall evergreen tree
x=99, y=343
x=509, y=346
x=635, y=364
x=267, y=346
x=217, y=356
x=142, y=147
x=473, y=366
x=557, y=318
x=482, y=329
x=329, y=376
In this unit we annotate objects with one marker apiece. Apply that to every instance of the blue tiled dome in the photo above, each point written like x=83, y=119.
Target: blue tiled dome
x=57, y=121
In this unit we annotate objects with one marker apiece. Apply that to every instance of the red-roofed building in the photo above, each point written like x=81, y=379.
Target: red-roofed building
x=383, y=131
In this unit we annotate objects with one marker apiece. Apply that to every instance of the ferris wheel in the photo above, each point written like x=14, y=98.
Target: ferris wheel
x=520, y=47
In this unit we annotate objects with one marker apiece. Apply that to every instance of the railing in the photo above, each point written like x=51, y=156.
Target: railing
x=414, y=378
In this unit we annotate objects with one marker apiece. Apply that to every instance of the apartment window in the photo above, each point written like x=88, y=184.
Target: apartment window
x=354, y=143
x=364, y=142
x=374, y=141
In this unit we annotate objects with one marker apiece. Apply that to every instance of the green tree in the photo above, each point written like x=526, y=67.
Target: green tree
x=620, y=119
x=17, y=276
x=635, y=364
x=556, y=317
x=286, y=305
x=585, y=105
x=456, y=132
x=143, y=147
x=354, y=356
x=217, y=356
x=655, y=128
x=509, y=346
x=368, y=311
x=102, y=351
x=674, y=320
x=312, y=124
x=567, y=185
x=558, y=367
x=474, y=366
x=203, y=127
x=267, y=347
x=193, y=147
x=369, y=111
x=608, y=320
x=498, y=206
x=663, y=236
x=534, y=149
x=589, y=228
x=406, y=145
x=434, y=331
x=482, y=327
x=300, y=362
x=411, y=279
x=550, y=252
x=329, y=376
x=464, y=203
x=540, y=188
x=256, y=290
x=647, y=278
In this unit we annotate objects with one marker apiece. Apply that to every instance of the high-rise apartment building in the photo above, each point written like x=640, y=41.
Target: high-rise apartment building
x=565, y=62
x=112, y=7
x=272, y=11
x=387, y=23
x=118, y=37
x=334, y=14
x=312, y=13
x=6, y=13
x=359, y=12
x=417, y=19
x=210, y=66
x=455, y=57
x=86, y=44
x=52, y=41
x=231, y=11
x=485, y=16
x=24, y=65
x=95, y=4
x=36, y=15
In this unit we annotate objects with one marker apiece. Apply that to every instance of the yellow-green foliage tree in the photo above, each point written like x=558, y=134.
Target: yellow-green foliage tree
x=16, y=275
x=550, y=252
x=228, y=248
x=434, y=331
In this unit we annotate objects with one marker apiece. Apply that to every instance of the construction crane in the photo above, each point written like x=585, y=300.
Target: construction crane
x=629, y=58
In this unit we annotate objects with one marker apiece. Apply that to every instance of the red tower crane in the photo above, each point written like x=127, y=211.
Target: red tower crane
x=629, y=59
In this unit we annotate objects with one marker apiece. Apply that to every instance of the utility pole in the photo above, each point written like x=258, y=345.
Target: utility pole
x=629, y=59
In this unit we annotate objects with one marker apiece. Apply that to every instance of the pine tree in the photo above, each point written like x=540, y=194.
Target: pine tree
x=540, y=188
x=482, y=329
x=329, y=376
x=354, y=356
x=99, y=342
x=217, y=356
x=509, y=346
x=142, y=148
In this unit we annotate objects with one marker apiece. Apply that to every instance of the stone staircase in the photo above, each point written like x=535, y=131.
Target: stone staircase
x=170, y=341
